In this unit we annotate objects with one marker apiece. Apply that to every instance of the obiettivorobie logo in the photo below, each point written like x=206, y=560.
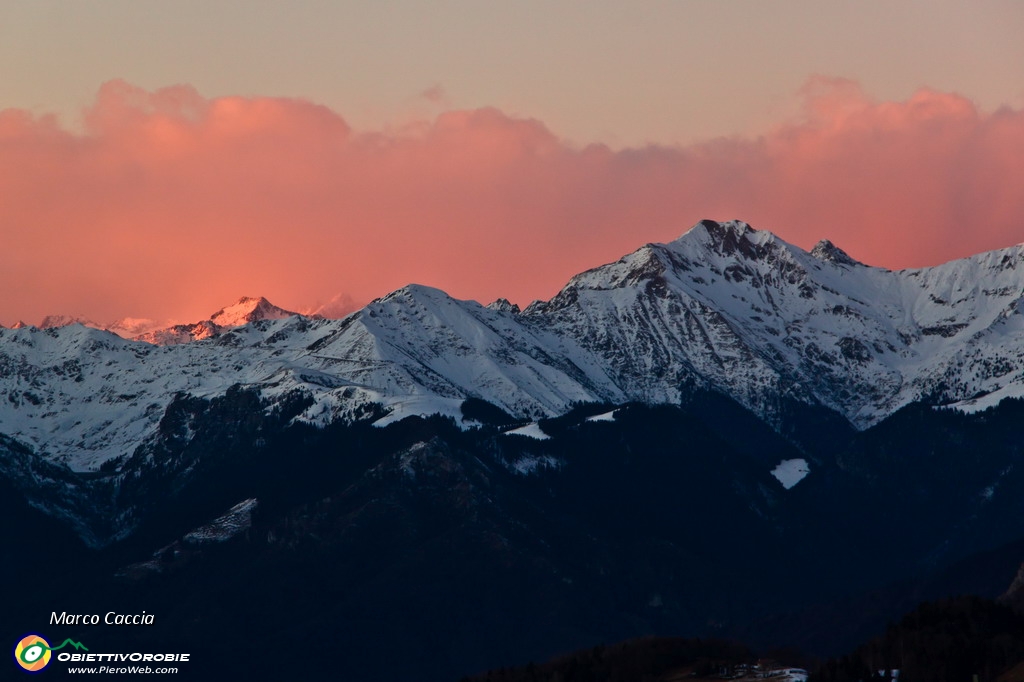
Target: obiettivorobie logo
x=33, y=652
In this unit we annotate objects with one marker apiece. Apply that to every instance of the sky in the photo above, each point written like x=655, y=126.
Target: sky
x=161, y=160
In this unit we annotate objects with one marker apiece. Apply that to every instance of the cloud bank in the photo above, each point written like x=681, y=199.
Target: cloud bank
x=170, y=204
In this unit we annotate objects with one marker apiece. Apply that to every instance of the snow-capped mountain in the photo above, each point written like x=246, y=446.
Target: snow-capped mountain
x=744, y=312
x=724, y=307
x=247, y=309
x=65, y=320
x=132, y=327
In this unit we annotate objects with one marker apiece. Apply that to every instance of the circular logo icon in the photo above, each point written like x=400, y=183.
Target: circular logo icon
x=32, y=653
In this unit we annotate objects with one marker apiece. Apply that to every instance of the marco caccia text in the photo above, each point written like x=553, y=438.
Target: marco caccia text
x=110, y=618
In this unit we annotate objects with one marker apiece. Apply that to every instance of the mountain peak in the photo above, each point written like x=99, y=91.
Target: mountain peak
x=827, y=251
x=51, y=321
x=717, y=229
x=730, y=239
x=505, y=306
x=248, y=309
x=729, y=230
x=245, y=310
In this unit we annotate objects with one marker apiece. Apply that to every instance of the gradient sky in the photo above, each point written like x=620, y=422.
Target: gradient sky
x=163, y=159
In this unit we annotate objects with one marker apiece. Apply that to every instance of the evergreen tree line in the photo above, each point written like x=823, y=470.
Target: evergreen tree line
x=951, y=640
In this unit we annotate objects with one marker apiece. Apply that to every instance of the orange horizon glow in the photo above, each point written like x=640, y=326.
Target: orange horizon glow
x=170, y=205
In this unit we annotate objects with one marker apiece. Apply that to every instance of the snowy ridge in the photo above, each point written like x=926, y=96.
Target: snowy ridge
x=744, y=312
x=242, y=312
x=247, y=310
x=724, y=307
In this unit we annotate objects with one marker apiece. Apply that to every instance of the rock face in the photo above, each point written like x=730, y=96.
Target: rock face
x=724, y=308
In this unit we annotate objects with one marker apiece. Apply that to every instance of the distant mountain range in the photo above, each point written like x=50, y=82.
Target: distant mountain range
x=706, y=433
x=244, y=311
x=723, y=308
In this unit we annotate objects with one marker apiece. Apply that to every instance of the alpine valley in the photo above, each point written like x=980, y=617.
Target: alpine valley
x=722, y=436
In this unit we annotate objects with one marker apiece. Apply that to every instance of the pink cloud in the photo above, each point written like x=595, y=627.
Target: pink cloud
x=170, y=204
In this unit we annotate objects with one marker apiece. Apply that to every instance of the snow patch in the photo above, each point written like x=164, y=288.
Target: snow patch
x=422, y=406
x=531, y=430
x=982, y=403
x=606, y=417
x=789, y=472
